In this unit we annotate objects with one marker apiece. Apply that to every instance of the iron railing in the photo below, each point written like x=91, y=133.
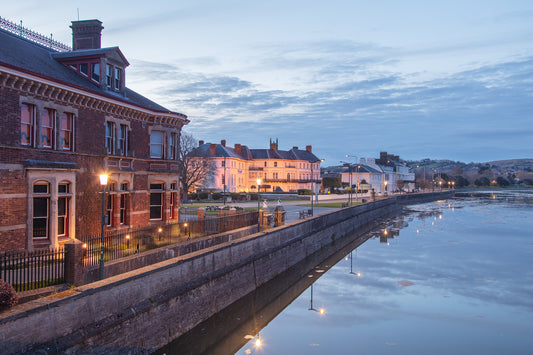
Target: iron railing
x=132, y=241
x=30, y=270
x=33, y=36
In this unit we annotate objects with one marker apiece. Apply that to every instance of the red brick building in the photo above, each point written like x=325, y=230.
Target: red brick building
x=66, y=116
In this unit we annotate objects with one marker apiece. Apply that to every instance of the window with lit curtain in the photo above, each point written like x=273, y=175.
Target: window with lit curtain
x=27, y=124
x=47, y=128
x=156, y=144
x=66, y=129
x=63, y=190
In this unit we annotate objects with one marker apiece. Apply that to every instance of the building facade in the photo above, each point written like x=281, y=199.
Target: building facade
x=66, y=116
x=381, y=174
x=237, y=169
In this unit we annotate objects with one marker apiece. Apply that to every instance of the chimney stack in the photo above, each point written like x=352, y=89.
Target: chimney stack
x=274, y=145
x=308, y=148
x=238, y=149
x=200, y=143
x=223, y=143
x=212, y=149
x=295, y=148
x=86, y=34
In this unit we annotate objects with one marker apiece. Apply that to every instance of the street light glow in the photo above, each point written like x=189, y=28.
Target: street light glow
x=103, y=179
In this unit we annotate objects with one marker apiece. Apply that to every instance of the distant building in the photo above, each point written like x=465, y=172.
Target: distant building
x=66, y=116
x=381, y=174
x=237, y=169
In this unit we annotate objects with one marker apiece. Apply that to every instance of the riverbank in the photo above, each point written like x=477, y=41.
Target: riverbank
x=142, y=310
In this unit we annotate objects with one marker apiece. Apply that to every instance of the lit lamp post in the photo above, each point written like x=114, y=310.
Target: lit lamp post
x=350, y=181
x=103, y=182
x=258, y=202
x=311, y=308
x=313, y=188
x=386, y=182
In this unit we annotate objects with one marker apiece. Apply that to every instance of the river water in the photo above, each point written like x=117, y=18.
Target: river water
x=449, y=277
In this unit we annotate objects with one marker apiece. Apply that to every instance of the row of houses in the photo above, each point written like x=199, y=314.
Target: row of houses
x=239, y=168
x=382, y=175
x=66, y=117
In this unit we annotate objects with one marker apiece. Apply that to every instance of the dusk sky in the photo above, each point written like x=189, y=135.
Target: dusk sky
x=419, y=79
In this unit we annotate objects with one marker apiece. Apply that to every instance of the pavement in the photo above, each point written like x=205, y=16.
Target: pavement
x=292, y=207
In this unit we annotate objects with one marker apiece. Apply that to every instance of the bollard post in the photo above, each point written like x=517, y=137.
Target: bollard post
x=74, y=262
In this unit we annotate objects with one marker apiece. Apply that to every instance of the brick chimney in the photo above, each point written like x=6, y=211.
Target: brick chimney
x=212, y=149
x=86, y=34
x=308, y=148
x=200, y=143
x=295, y=148
x=238, y=149
x=223, y=143
x=274, y=145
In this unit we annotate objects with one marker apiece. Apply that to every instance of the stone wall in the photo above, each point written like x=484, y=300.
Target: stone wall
x=142, y=310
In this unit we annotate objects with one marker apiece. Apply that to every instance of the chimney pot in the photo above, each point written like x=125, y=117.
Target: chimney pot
x=223, y=143
x=308, y=148
x=201, y=143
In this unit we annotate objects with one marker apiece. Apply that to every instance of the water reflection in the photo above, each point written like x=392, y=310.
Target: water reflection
x=460, y=281
x=240, y=323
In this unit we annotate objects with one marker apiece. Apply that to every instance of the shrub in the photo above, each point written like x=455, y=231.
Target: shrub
x=304, y=192
x=204, y=195
x=217, y=196
x=8, y=295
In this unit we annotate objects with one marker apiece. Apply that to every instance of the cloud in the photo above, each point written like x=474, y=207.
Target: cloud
x=371, y=110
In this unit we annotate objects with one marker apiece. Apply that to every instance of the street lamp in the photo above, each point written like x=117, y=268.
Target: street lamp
x=313, y=188
x=103, y=182
x=357, y=166
x=258, y=202
x=311, y=308
x=350, y=180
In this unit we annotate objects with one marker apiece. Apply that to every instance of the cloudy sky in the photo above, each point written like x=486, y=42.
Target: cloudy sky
x=421, y=79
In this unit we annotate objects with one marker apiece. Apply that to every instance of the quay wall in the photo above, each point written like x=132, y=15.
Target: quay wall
x=142, y=310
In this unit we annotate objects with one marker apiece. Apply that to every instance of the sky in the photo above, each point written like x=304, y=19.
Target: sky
x=419, y=79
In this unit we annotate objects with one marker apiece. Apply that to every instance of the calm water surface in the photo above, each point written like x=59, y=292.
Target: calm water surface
x=450, y=277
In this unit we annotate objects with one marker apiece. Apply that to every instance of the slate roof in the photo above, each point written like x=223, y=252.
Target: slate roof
x=362, y=169
x=27, y=56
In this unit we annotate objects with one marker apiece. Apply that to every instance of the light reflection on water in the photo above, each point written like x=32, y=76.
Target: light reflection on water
x=452, y=276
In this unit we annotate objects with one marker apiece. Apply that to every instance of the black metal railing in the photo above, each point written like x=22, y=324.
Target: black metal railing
x=30, y=270
x=132, y=241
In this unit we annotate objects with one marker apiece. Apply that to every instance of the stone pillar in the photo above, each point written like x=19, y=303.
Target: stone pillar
x=74, y=262
x=201, y=213
x=279, y=217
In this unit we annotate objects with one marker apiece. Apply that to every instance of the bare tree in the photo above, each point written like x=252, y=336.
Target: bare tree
x=195, y=166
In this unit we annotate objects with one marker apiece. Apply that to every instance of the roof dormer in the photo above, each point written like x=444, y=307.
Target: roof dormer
x=104, y=67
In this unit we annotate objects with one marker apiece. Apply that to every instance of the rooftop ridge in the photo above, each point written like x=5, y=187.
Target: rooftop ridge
x=33, y=36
